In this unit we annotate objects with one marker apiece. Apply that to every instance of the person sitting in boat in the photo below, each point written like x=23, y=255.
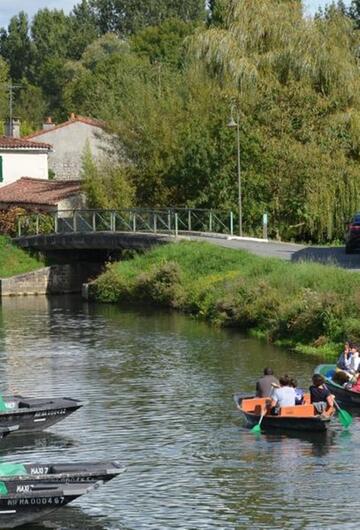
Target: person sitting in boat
x=283, y=396
x=263, y=386
x=355, y=386
x=344, y=366
x=355, y=359
x=299, y=393
x=320, y=395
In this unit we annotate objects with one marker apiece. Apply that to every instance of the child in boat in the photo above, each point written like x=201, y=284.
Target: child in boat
x=320, y=395
x=283, y=396
x=299, y=393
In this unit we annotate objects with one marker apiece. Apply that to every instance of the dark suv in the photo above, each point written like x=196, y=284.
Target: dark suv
x=352, y=237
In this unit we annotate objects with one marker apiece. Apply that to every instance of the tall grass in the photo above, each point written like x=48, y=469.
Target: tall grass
x=308, y=306
x=14, y=261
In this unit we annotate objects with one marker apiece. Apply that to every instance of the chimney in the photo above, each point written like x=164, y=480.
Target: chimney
x=12, y=128
x=72, y=117
x=48, y=124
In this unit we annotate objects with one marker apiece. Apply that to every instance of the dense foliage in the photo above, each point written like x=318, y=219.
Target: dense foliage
x=309, y=306
x=166, y=75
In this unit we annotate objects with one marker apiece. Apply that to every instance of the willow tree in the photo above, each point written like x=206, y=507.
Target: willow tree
x=298, y=80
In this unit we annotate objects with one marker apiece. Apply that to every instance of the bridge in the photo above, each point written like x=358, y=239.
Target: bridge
x=109, y=231
x=97, y=235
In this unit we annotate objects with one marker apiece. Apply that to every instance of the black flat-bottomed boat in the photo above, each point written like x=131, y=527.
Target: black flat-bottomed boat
x=17, y=509
x=22, y=477
x=32, y=414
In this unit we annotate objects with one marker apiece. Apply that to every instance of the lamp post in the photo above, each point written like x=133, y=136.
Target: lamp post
x=236, y=125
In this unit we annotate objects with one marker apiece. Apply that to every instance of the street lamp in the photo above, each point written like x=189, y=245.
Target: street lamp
x=236, y=125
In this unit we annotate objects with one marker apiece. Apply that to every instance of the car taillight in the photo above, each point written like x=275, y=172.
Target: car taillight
x=354, y=228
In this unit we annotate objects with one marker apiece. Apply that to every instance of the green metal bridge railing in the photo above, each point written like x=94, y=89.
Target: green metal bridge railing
x=161, y=220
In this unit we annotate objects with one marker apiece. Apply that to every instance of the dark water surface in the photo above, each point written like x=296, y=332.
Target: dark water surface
x=160, y=390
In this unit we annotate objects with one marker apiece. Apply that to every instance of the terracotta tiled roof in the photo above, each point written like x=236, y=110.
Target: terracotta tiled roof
x=73, y=119
x=39, y=191
x=7, y=142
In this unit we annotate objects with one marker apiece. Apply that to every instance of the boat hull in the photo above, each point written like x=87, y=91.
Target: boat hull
x=297, y=418
x=30, y=414
x=40, y=473
x=316, y=424
x=346, y=397
x=19, y=509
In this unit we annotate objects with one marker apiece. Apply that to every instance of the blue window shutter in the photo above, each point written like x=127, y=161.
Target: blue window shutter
x=1, y=169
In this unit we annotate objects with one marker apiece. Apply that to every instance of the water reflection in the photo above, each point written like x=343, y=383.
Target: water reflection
x=159, y=389
x=69, y=518
x=21, y=443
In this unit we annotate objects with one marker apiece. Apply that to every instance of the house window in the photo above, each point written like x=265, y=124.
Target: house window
x=1, y=169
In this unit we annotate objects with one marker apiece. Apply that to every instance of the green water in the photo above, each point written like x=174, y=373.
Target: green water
x=159, y=388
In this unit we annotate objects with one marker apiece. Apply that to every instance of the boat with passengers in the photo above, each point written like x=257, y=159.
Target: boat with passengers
x=342, y=393
x=299, y=417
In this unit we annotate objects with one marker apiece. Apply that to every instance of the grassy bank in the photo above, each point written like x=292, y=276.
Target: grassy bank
x=306, y=306
x=14, y=261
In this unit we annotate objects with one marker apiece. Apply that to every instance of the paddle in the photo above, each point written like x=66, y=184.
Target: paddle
x=344, y=417
x=257, y=428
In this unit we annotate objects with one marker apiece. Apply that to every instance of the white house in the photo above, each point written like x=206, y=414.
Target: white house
x=69, y=141
x=19, y=158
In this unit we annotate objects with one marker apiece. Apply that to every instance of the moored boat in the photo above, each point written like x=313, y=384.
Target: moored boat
x=32, y=414
x=344, y=395
x=299, y=417
x=17, y=509
x=23, y=477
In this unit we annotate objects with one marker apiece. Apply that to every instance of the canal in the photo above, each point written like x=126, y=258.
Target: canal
x=159, y=389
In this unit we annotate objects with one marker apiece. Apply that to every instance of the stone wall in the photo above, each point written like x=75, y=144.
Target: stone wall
x=55, y=279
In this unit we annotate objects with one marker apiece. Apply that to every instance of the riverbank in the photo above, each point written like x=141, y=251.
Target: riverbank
x=15, y=261
x=306, y=306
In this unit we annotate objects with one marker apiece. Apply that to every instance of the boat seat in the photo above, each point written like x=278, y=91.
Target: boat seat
x=259, y=409
x=249, y=405
x=297, y=410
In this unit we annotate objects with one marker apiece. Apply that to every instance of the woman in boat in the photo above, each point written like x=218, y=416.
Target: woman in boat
x=344, y=366
x=283, y=396
x=320, y=395
x=355, y=386
x=355, y=359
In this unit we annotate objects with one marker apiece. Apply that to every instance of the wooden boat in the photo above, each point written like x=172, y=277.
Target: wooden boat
x=299, y=417
x=17, y=509
x=347, y=397
x=32, y=414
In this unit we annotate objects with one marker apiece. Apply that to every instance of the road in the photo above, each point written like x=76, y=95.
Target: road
x=290, y=251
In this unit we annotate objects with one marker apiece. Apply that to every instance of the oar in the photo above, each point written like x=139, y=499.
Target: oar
x=257, y=428
x=344, y=417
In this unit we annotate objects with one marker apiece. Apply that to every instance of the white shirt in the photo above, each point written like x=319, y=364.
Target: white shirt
x=284, y=396
x=355, y=361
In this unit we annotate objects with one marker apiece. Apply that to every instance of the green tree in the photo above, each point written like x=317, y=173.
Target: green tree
x=163, y=43
x=16, y=47
x=126, y=16
x=105, y=183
